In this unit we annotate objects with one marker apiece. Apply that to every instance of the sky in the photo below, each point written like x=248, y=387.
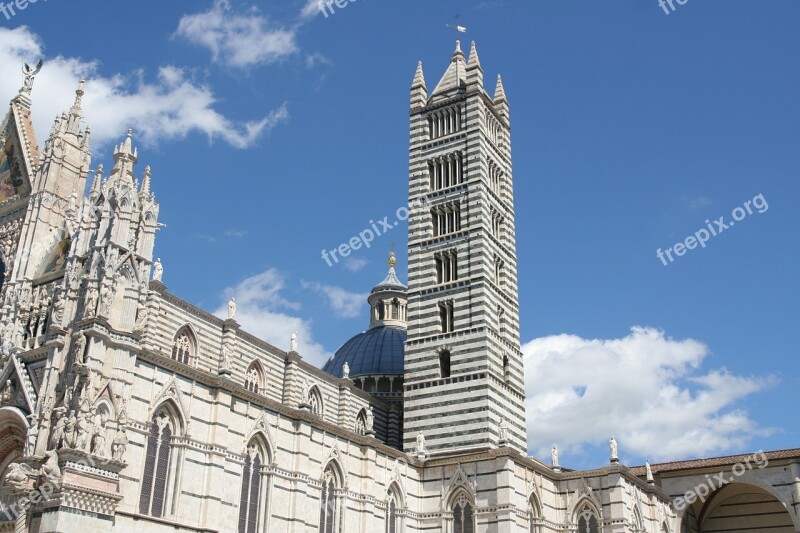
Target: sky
x=275, y=132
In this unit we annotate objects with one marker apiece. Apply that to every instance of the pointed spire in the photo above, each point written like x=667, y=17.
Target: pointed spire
x=473, y=61
x=98, y=176
x=76, y=106
x=474, y=69
x=145, y=182
x=458, y=51
x=499, y=91
x=419, y=92
x=419, y=77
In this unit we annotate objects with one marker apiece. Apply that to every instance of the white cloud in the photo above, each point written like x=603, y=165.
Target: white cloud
x=237, y=40
x=344, y=304
x=646, y=389
x=170, y=107
x=354, y=264
x=263, y=311
x=310, y=9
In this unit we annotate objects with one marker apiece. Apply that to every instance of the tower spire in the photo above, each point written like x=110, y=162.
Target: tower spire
x=419, y=92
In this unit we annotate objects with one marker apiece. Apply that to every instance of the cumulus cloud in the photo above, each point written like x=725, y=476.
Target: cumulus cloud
x=310, y=9
x=237, y=39
x=171, y=106
x=265, y=312
x=648, y=390
x=345, y=304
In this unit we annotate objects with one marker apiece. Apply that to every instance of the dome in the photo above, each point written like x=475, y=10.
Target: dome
x=377, y=351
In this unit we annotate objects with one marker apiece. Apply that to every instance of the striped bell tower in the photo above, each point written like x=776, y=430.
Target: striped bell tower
x=464, y=377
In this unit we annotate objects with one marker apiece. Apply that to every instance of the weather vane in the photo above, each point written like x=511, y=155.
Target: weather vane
x=455, y=26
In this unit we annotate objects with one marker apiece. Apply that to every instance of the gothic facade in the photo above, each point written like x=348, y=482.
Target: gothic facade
x=125, y=408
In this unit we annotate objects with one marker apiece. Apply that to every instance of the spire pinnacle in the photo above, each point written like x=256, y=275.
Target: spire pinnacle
x=473, y=61
x=146, y=182
x=458, y=49
x=76, y=106
x=499, y=91
x=419, y=77
x=98, y=176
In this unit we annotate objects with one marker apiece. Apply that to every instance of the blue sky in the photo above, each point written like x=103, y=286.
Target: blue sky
x=274, y=132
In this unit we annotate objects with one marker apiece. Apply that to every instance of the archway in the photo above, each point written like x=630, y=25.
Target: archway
x=739, y=507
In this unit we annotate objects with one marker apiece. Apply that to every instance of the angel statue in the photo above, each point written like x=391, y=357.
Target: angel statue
x=29, y=74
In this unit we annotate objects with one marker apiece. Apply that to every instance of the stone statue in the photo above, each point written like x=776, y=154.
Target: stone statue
x=232, y=309
x=158, y=270
x=18, y=475
x=119, y=444
x=554, y=457
x=79, y=350
x=226, y=358
x=50, y=469
x=306, y=391
x=58, y=431
x=648, y=471
x=293, y=343
x=69, y=429
x=141, y=315
x=612, y=444
x=106, y=295
x=58, y=310
x=345, y=370
x=99, y=441
x=82, y=431
x=421, y=448
x=8, y=393
x=503, y=430
x=90, y=305
x=33, y=433
x=370, y=420
x=30, y=73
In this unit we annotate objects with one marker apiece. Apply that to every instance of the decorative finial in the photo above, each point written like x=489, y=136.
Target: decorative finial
x=30, y=73
x=392, y=259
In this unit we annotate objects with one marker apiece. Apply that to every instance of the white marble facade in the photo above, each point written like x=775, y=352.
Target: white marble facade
x=125, y=408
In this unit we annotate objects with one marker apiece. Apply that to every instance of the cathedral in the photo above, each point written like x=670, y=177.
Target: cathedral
x=124, y=408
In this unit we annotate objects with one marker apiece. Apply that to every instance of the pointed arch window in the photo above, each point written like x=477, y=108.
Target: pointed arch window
x=463, y=515
x=184, y=347
x=330, y=518
x=535, y=515
x=393, y=517
x=254, y=497
x=254, y=379
x=315, y=401
x=587, y=521
x=361, y=423
x=159, y=472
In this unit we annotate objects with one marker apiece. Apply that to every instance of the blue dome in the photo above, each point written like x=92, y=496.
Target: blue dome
x=377, y=351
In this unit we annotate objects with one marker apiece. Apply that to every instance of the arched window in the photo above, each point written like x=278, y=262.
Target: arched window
x=534, y=515
x=330, y=518
x=159, y=475
x=393, y=518
x=361, y=423
x=444, y=364
x=254, y=497
x=315, y=401
x=587, y=521
x=463, y=515
x=184, y=348
x=254, y=379
x=638, y=523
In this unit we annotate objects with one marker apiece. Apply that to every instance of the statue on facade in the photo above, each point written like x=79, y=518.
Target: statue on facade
x=33, y=433
x=158, y=270
x=421, y=448
x=503, y=430
x=57, y=315
x=141, y=314
x=58, y=430
x=227, y=362
x=82, y=431
x=90, y=306
x=50, y=470
x=293, y=343
x=370, y=420
x=106, y=296
x=79, y=350
x=232, y=309
x=99, y=440
x=8, y=394
x=18, y=475
x=305, y=392
x=69, y=429
x=345, y=370
x=612, y=444
x=119, y=444
x=554, y=457
x=30, y=73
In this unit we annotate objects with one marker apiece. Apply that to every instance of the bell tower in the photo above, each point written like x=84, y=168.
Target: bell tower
x=464, y=377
